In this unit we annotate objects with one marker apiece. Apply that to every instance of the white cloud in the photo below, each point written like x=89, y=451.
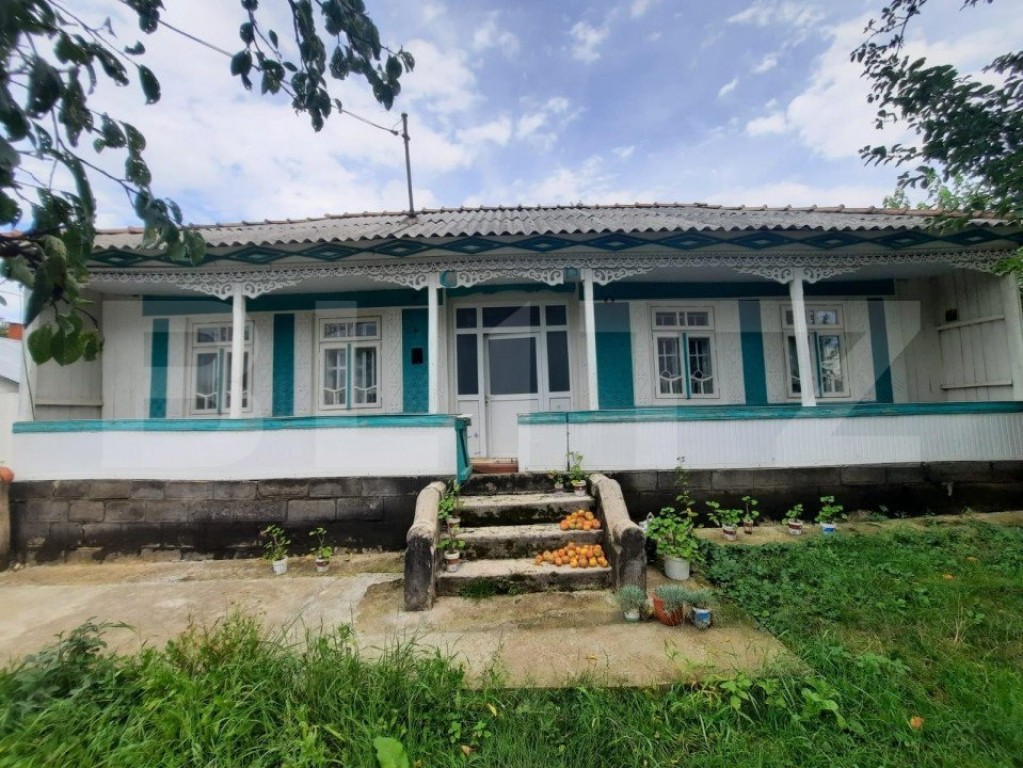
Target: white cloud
x=442, y=80
x=639, y=8
x=769, y=62
x=728, y=87
x=431, y=11
x=624, y=153
x=585, y=41
x=763, y=13
x=490, y=36
x=769, y=124
x=554, y=115
x=799, y=193
x=496, y=131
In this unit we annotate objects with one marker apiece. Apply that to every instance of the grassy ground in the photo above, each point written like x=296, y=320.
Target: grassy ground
x=908, y=624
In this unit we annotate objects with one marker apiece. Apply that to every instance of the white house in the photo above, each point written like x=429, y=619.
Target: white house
x=356, y=345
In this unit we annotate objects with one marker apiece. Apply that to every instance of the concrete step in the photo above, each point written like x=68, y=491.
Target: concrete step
x=522, y=575
x=519, y=508
x=486, y=484
x=528, y=540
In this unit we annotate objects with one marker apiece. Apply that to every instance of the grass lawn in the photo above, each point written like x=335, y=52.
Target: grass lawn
x=905, y=628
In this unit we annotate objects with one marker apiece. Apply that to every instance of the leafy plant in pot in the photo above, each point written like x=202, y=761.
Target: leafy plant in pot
x=670, y=604
x=275, y=547
x=632, y=600
x=700, y=608
x=322, y=552
x=576, y=473
x=829, y=515
x=452, y=547
x=749, y=513
x=449, y=507
x=728, y=519
x=676, y=542
x=794, y=520
x=557, y=481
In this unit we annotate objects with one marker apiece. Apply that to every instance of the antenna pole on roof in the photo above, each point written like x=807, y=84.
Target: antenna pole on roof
x=408, y=164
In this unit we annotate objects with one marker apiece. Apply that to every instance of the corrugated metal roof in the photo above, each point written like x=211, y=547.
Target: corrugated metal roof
x=523, y=221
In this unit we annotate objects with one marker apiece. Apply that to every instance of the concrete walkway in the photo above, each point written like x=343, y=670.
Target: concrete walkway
x=534, y=639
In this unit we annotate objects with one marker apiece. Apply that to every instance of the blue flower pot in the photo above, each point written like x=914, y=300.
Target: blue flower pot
x=701, y=618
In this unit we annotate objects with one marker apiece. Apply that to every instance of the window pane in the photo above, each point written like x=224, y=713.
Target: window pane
x=206, y=381
x=794, y=387
x=665, y=319
x=335, y=377
x=468, y=363
x=364, y=386
x=669, y=366
x=698, y=319
x=829, y=359
x=789, y=320
x=512, y=364
x=557, y=361
x=701, y=372
x=511, y=317
x=366, y=329
x=556, y=315
x=824, y=317
x=226, y=378
x=465, y=317
x=337, y=330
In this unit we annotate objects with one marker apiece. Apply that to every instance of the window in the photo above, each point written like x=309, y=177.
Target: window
x=210, y=374
x=684, y=353
x=827, y=352
x=349, y=363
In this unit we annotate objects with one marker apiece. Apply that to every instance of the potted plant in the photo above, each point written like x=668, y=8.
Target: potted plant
x=631, y=599
x=676, y=542
x=275, y=548
x=452, y=547
x=728, y=519
x=794, y=520
x=700, y=610
x=448, y=509
x=557, y=480
x=576, y=473
x=749, y=513
x=830, y=514
x=670, y=604
x=322, y=552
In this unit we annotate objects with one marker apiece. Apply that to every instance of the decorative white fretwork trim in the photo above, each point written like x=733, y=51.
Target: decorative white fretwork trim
x=466, y=278
x=605, y=275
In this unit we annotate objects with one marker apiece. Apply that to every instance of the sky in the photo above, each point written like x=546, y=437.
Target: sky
x=737, y=102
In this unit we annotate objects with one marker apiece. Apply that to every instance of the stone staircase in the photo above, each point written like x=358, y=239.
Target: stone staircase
x=506, y=521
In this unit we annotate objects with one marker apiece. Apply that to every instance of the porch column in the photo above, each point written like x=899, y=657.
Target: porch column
x=433, y=344
x=589, y=318
x=237, y=349
x=1014, y=330
x=806, y=377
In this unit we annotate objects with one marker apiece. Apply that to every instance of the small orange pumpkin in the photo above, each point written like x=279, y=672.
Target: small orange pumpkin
x=6, y=475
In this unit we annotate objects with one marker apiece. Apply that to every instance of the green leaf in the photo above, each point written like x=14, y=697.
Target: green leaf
x=150, y=85
x=390, y=752
x=66, y=348
x=44, y=87
x=42, y=292
x=39, y=342
x=135, y=50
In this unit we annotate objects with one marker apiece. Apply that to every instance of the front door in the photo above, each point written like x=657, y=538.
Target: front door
x=512, y=386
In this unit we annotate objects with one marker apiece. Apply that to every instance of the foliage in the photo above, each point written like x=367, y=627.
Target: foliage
x=794, y=513
x=451, y=501
x=390, y=752
x=51, y=63
x=969, y=127
x=451, y=544
x=556, y=478
x=684, y=499
x=673, y=596
x=321, y=549
x=723, y=517
x=749, y=508
x=275, y=542
x=630, y=597
x=575, y=467
x=830, y=512
x=674, y=535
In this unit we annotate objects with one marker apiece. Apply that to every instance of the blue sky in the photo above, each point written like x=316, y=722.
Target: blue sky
x=736, y=102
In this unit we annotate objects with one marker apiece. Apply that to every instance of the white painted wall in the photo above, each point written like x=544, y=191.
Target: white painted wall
x=68, y=391
x=236, y=455
x=775, y=442
x=8, y=415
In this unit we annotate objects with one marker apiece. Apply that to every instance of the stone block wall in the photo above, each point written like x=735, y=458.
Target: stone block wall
x=909, y=489
x=219, y=518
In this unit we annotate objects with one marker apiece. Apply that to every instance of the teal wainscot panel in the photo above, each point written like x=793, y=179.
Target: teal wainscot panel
x=754, y=372
x=284, y=365
x=614, y=356
x=414, y=377
x=158, y=369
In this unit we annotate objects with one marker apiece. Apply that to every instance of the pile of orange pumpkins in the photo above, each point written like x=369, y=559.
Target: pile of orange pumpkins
x=580, y=520
x=574, y=555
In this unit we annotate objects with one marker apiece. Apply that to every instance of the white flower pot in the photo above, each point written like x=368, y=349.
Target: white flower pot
x=451, y=560
x=631, y=616
x=729, y=532
x=322, y=565
x=676, y=568
x=579, y=487
x=828, y=528
x=454, y=524
x=795, y=527
x=280, y=566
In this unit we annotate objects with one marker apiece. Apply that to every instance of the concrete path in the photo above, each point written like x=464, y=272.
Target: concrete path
x=535, y=639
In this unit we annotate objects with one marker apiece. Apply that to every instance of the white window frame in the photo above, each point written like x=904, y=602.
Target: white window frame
x=349, y=343
x=815, y=328
x=683, y=330
x=223, y=348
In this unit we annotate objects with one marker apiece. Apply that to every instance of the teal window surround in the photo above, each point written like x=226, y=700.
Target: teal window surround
x=283, y=371
x=763, y=412
x=879, y=351
x=754, y=368
x=158, y=359
x=261, y=424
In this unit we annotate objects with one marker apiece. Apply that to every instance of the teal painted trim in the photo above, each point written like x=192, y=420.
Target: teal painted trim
x=614, y=353
x=171, y=306
x=486, y=290
x=415, y=384
x=284, y=365
x=462, y=462
x=158, y=369
x=685, y=365
x=879, y=351
x=754, y=370
x=395, y=421
x=639, y=291
x=754, y=413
